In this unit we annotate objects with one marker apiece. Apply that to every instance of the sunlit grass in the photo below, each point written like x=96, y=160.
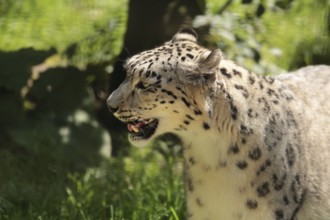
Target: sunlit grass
x=92, y=30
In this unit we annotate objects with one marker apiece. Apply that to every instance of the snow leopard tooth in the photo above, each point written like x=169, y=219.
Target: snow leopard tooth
x=135, y=129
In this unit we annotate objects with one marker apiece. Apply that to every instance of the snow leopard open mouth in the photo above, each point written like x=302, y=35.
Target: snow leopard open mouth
x=143, y=129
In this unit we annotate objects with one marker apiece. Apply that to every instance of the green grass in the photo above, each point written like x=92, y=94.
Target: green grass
x=92, y=29
x=146, y=184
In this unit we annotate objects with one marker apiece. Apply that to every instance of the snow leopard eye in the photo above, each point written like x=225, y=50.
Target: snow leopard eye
x=142, y=85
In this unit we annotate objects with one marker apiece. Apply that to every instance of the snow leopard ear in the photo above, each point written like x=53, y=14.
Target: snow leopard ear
x=209, y=61
x=185, y=34
x=206, y=69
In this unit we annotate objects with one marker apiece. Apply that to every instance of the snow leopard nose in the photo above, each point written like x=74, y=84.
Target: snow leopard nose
x=111, y=105
x=118, y=97
x=113, y=102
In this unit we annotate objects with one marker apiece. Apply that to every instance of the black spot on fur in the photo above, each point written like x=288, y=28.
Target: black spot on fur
x=233, y=108
x=297, y=178
x=279, y=214
x=300, y=203
x=150, y=65
x=250, y=112
x=225, y=73
x=244, y=130
x=269, y=80
x=186, y=122
x=197, y=112
x=286, y=200
x=255, y=154
x=190, y=184
x=290, y=155
x=141, y=71
x=148, y=73
x=185, y=101
x=266, y=107
x=169, y=93
x=263, y=189
x=264, y=166
x=237, y=73
x=295, y=191
x=291, y=120
x=199, y=202
x=192, y=161
x=234, y=149
x=242, y=164
x=206, y=126
x=251, y=80
x=183, y=59
x=153, y=74
x=270, y=145
x=244, y=91
x=278, y=183
x=270, y=92
x=190, y=56
x=181, y=127
x=251, y=204
x=189, y=117
x=178, y=88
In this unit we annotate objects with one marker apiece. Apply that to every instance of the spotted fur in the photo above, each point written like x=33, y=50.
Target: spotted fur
x=256, y=147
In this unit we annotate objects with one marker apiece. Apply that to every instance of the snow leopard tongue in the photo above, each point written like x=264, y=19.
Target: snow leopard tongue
x=142, y=129
x=135, y=127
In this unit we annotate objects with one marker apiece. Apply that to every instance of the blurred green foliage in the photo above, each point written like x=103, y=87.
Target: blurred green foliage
x=269, y=36
x=52, y=56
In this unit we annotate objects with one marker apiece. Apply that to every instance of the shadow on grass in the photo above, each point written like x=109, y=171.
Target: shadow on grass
x=44, y=136
x=50, y=165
